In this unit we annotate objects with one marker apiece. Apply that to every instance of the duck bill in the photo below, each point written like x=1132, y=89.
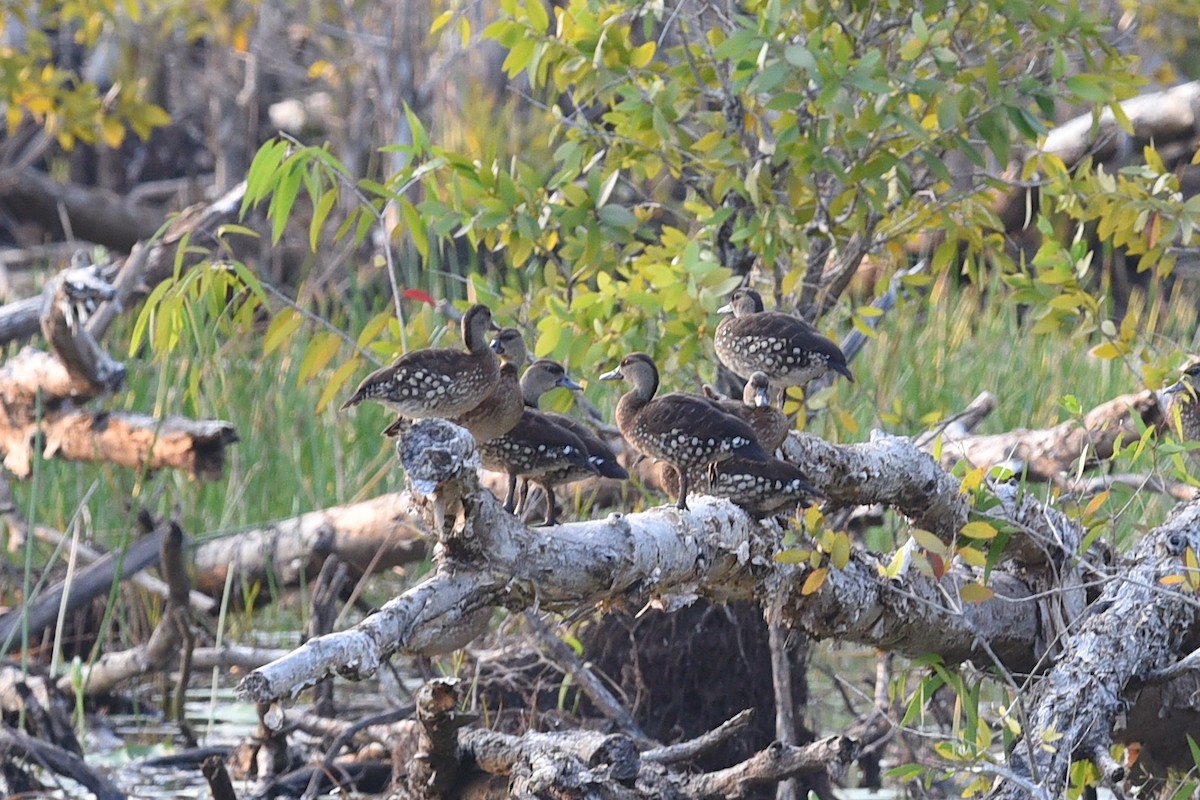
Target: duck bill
x=1180, y=387
x=762, y=396
x=612, y=375
x=726, y=309
x=567, y=383
x=497, y=346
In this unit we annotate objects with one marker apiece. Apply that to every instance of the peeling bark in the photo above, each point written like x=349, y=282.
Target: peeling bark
x=666, y=557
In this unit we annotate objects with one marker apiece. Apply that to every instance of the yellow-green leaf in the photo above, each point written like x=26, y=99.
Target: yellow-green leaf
x=794, y=555
x=641, y=56
x=318, y=354
x=336, y=382
x=839, y=554
x=927, y=540
x=282, y=326
x=976, y=593
x=978, y=530
x=1106, y=350
x=814, y=580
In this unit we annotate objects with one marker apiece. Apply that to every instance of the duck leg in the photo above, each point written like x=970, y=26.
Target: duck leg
x=510, y=498
x=683, y=489
x=551, y=505
x=523, y=503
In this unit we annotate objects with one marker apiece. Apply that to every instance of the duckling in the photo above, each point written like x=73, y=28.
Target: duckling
x=770, y=425
x=687, y=431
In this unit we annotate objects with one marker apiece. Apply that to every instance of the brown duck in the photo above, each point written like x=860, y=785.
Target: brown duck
x=542, y=376
x=500, y=411
x=600, y=455
x=688, y=431
x=535, y=447
x=436, y=381
x=770, y=425
x=788, y=349
x=760, y=488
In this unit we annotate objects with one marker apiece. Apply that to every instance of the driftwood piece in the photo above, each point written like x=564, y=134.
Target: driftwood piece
x=665, y=556
x=376, y=534
x=39, y=391
x=65, y=302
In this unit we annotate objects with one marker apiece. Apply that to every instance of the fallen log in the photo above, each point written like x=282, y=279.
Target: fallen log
x=1052, y=454
x=456, y=761
x=89, y=583
x=41, y=391
x=373, y=535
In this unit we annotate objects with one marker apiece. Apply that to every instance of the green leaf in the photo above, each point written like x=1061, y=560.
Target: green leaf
x=416, y=227
x=320, y=213
x=261, y=175
x=539, y=20
x=1087, y=86
x=284, y=196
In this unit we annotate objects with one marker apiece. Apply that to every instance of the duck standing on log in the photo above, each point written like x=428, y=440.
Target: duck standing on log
x=788, y=349
x=542, y=376
x=687, y=431
x=760, y=488
x=437, y=381
x=536, y=446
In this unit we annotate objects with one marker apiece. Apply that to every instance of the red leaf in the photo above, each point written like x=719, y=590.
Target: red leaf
x=417, y=294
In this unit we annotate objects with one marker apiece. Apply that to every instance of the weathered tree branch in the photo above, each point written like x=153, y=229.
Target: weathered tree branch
x=1050, y=454
x=488, y=560
x=96, y=215
x=1144, y=621
x=86, y=585
x=39, y=391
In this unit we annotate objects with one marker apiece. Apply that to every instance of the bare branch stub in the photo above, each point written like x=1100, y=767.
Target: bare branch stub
x=67, y=300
